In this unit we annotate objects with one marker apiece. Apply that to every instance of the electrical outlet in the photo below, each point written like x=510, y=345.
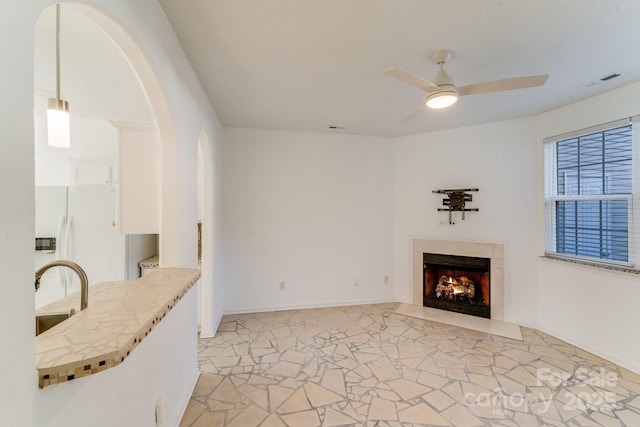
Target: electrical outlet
x=355, y=282
x=283, y=286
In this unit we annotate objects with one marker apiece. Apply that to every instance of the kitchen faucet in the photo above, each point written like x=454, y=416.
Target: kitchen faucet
x=84, y=282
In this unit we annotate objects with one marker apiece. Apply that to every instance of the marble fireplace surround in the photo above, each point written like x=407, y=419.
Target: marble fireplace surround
x=494, y=251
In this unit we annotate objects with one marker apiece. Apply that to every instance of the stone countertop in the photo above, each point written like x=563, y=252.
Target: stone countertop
x=119, y=316
x=152, y=262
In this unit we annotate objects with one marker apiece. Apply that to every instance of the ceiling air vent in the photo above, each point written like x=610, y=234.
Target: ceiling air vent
x=610, y=76
x=604, y=79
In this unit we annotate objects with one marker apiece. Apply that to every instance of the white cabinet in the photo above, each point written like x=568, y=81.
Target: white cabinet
x=89, y=171
x=138, y=178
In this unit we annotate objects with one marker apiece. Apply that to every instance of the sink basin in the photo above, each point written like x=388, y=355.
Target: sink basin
x=44, y=322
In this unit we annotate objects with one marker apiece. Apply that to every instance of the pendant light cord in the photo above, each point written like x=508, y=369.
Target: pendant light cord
x=58, y=51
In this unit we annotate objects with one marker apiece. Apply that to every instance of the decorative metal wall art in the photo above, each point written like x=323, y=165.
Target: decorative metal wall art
x=456, y=201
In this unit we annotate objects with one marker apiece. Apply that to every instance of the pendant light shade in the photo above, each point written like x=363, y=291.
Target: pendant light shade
x=58, y=129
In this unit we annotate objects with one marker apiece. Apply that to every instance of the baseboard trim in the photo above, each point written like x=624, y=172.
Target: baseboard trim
x=594, y=351
x=184, y=405
x=212, y=333
x=245, y=310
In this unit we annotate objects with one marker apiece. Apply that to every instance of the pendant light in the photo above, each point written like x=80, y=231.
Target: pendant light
x=59, y=134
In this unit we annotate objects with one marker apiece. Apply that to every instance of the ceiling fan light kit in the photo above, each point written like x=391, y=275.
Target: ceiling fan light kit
x=442, y=99
x=442, y=91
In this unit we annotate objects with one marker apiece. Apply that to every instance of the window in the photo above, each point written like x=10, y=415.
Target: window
x=589, y=194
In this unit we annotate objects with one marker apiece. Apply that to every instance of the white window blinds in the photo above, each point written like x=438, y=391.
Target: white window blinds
x=589, y=194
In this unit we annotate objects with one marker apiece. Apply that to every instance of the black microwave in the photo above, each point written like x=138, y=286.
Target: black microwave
x=45, y=243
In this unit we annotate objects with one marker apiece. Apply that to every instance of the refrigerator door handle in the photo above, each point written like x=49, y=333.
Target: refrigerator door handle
x=67, y=239
x=67, y=235
x=61, y=249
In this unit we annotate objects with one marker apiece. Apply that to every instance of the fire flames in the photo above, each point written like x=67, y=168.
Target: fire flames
x=455, y=287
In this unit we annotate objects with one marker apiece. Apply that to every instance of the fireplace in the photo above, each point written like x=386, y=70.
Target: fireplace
x=457, y=283
x=495, y=252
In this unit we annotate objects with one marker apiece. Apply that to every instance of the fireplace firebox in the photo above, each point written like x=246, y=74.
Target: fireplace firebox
x=457, y=283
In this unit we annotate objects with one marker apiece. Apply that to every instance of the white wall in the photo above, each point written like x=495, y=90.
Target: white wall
x=589, y=307
x=18, y=380
x=313, y=210
x=497, y=158
x=143, y=33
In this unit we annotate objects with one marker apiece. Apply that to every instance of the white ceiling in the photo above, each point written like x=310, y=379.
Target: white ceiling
x=310, y=64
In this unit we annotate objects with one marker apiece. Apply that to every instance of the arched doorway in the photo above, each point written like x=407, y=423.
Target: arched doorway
x=177, y=168
x=78, y=197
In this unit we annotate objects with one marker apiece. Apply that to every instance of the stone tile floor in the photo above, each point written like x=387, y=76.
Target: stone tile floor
x=367, y=365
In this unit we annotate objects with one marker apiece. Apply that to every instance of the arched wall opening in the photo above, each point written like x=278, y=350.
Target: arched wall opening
x=171, y=375
x=177, y=240
x=177, y=166
x=112, y=162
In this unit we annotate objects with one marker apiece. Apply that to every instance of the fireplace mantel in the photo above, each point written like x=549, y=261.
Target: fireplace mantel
x=494, y=251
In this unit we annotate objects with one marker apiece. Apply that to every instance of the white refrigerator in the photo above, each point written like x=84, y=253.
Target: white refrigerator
x=82, y=221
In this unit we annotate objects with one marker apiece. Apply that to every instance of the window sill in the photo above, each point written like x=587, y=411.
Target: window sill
x=621, y=268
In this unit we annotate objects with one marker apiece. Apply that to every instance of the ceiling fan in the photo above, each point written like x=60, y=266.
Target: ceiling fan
x=442, y=92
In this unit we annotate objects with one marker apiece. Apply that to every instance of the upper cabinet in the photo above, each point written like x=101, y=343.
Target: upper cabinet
x=92, y=171
x=138, y=179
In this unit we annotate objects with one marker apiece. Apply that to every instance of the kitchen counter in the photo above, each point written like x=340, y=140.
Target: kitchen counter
x=119, y=317
x=152, y=262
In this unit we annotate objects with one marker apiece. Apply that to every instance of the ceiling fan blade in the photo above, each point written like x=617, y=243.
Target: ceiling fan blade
x=412, y=115
x=412, y=79
x=503, y=84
